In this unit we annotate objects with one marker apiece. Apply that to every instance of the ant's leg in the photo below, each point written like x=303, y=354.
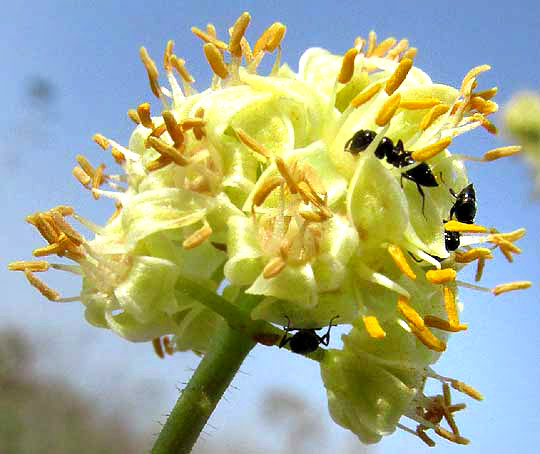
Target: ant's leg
x=441, y=177
x=325, y=340
x=285, y=339
x=347, y=145
x=414, y=258
x=423, y=197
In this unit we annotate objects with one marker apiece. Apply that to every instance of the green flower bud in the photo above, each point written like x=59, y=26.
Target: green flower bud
x=522, y=122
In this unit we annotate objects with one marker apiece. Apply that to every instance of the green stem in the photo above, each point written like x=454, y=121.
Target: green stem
x=199, y=399
x=233, y=340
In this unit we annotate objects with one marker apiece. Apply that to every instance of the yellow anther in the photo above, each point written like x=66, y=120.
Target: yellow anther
x=399, y=258
x=313, y=216
x=97, y=180
x=466, y=389
x=163, y=149
x=65, y=228
x=423, y=436
x=309, y=195
x=158, y=163
x=510, y=286
x=246, y=49
x=143, y=111
x=81, y=176
x=366, y=94
x=277, y=33
x=450, y=306
x=372, y=42
x=38, y=265
x=274, y=267
x=189, y=123
x=208, y=39
x=118, y=156
x=457, y=407
x=512, y=236
x=238, y=30
x=359, y=43
x=47, y=292
x=434, y=113
x=410, y=53
x=156, y=132
x=400, y=47
x=502, y=152
x=262, y=41
x=456, y=438
x=45, y=226
x=410, y=314
x=478, y=103
x=285, y=173
x=134, y=116
x=441, y=276
x=504, y=244
x=418, y=104
x=251, y=143
x=197, y=237
x=429, y=339
x=483, y=106
x=487, y=125
x=373, y=327
x=64, y=210
x=383, y=47
x=313, y=181
x=388, y=110
x=487, y=94
x=152, y=71
x=266, y=188
x=270, y=38
x=211, y=30
x=54, y=248
x=473, y=254
x=101, y=141
x=398, y=76
x=347, y=66
x=456, y=226
x=471, y=75
x=173, y=128
x=447, y=397
x=156, y=343
x=86, y=166
x=435, y=322
x=169, y=48
x=432, y=150
x=479, y=269
x=179, y=65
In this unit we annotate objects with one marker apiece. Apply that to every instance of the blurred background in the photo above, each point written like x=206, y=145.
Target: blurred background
x=71, y=69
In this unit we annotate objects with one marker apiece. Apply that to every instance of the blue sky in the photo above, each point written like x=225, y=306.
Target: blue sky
x=89, y=50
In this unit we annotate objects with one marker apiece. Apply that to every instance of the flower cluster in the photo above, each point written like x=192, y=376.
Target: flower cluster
x=326, y=192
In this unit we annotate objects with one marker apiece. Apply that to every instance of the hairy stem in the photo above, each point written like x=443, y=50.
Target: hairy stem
x=206, y=387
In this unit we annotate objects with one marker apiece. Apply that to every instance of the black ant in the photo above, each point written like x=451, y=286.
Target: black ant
x=395, y=155
x=464, y=209
x=305, y=340
x=451, y=240
x=465, y=205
